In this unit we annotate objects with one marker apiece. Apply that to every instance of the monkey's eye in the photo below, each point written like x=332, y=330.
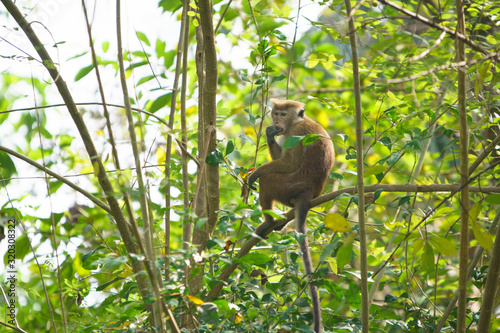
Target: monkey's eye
x=283, y=114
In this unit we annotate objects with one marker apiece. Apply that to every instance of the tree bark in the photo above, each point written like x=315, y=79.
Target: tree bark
x=209, y=177
x=490, y=290
x=365, y=307
x=464, y=174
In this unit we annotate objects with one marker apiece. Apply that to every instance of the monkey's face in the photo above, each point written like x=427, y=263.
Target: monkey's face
x=283, y=119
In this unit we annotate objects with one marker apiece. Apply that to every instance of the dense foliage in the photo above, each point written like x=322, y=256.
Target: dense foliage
x=75, y=270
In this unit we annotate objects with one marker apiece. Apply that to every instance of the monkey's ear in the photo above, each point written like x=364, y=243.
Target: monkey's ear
x=301, y=113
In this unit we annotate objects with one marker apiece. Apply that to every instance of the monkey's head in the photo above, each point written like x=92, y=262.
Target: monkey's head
x=286, y=113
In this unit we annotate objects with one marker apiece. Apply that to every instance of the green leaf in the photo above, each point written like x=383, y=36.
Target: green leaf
x=145, y=79
x=7, y=166
x=215, y=158
x=278, y=78
x=83, y=72
x=110, y=262
x=208, y=312
x=417, y=245
x=169, y=58
x=195, y=272
x=160, y=102
x=351, y=153
x=310, y=139
x=377, y=193
x=443, y=246
x=244, y=76
x=223, y=305
x=268, y=298
x=160, y=48
x=327, y=251
x=475, y=211
x=393, y=158
x=403, y=200
x=493, y=199
x=54, y=186
x=255, y=258
x=374, y=170
x=344, y=137
x=273, y=214
x=229, y=147
x=483, y=237
x=302, y=302
x=200, y=222
x=336, y=175
x=65, y=140
x=143, y=38
x=279, y=35
x=292, y=141
x=88, y=254
x=313, y=61
x=105, y=46
x=428, y=258
x=170, y=5
x=379, y=177
x=390, y=298
x=353, y=294
x=22, y=248
x=344, y=254
x=107, y=284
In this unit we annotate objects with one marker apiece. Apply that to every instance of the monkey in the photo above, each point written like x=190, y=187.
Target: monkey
x=295, y=175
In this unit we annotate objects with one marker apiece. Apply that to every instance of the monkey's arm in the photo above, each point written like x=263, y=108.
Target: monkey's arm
x=286, y=164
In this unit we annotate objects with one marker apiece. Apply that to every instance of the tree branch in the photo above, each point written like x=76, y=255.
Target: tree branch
x=77, y=188
x=265, y=229
x=365, y=306
x=454, y=34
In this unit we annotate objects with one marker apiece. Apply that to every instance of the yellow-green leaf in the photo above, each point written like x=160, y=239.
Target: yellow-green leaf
x=493, y=199
x=474, y=212
x=374, y=170
x=337, y=222
x=428, y=258
x=143, y=38
x=286, y=11
x=313, y=61
x=443, y=246
x=417, y=245
x=483, y=237
x=344, y=255
x=393, y=98
x=327, y=64
x=333, y=265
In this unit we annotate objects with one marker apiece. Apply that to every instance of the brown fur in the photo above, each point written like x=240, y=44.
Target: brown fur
x=296, y=175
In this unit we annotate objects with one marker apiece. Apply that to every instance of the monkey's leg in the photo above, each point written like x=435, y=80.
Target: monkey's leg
x=301, y=210
x=267, y=196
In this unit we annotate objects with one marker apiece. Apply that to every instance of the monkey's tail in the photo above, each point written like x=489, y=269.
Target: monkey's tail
x=301, y=209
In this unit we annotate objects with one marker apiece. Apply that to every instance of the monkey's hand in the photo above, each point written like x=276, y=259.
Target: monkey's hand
x=271, y=132
x=253, y=176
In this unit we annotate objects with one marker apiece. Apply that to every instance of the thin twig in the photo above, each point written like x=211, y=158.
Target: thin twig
x=169, y=132
x=453, y=34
